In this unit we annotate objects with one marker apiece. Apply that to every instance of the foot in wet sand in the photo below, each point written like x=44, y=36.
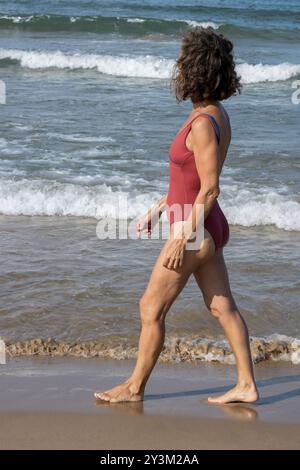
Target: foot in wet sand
x=246, y=394
x=121, y=393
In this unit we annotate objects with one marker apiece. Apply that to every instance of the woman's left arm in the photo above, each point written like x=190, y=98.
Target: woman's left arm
x=207, y=159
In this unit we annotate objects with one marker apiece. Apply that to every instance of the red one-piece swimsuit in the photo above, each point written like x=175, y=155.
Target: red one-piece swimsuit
x=184, y=186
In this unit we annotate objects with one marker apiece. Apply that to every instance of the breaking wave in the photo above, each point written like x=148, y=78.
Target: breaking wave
x=176, y=349
x=41, y=197
x=146, y=66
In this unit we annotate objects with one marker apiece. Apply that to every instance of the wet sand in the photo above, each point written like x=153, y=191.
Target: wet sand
x=120, y=432
x=47, y=403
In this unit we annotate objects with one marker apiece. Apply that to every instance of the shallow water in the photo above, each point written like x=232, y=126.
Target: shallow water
x=88, y=122
x=59, y=281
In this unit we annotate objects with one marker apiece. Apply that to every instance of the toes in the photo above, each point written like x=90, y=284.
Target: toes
x=102, y=396
x=214, y=400
x=98, y=396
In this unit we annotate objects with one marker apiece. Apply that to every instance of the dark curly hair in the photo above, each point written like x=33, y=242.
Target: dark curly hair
x=205, y=68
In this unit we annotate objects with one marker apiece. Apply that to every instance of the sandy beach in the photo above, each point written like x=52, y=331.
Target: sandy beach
x=47, y=403
x=88, y=119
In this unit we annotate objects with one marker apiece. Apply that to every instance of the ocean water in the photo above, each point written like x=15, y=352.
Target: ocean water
x=88, y=121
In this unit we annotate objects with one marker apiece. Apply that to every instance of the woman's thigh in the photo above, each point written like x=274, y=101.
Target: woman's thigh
x=165, y=284
x=213, y=280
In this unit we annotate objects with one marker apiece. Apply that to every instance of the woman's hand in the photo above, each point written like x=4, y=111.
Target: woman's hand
x=147, y=223
x=175, y=253
x=143, y=225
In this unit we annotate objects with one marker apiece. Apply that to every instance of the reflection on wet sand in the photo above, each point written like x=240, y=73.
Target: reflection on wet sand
x=130, y=408
x=241, y=412
x=237, y=411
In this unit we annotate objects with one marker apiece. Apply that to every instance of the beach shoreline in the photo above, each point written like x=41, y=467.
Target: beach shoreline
x=88, y=120
x=47, y=403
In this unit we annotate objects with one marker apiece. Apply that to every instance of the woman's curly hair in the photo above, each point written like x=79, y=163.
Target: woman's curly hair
x=205, y=68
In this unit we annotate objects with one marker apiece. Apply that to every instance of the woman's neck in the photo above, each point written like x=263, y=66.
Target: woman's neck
x=204, y=104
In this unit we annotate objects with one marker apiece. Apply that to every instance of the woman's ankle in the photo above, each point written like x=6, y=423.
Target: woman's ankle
x=246, y=384
x=136, y=386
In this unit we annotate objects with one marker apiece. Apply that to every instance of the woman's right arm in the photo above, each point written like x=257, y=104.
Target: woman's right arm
x=161, y=203
x=150, y=219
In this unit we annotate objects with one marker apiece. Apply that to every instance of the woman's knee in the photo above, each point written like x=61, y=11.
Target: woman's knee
x=150, y=311
x=223, y=309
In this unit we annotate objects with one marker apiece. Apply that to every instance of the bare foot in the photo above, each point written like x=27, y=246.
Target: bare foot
x=121, y=393
x=248, y=394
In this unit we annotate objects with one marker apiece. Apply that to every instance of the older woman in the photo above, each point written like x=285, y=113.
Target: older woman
x=204, y=73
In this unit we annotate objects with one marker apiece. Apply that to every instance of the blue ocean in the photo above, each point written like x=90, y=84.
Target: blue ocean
x=88, y=120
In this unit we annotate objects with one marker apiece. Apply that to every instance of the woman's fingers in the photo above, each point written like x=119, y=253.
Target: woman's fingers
x=176, y=263
x=181, y=257
x=139, y=227
x=170, y=261
x=166, y=261
x=177, y=259
x=143, y=228
x=170, y=264
x=174, y=256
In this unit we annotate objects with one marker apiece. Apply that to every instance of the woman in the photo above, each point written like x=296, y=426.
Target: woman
x=204, y=73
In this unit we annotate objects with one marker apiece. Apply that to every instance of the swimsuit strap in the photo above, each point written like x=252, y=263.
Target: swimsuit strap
x=227, y=117
x=213, y=123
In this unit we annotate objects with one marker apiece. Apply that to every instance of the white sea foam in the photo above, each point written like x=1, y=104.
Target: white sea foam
x=79, y=137
x=251, y=207
x=18, y=19
x=42, y=197
x=135, y=20
x=255, y=73
x=204, y=24
x=146, y=66
x=37, y=197
x=74, y=19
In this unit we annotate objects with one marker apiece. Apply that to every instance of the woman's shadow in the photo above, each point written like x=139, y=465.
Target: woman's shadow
x=260, y=383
